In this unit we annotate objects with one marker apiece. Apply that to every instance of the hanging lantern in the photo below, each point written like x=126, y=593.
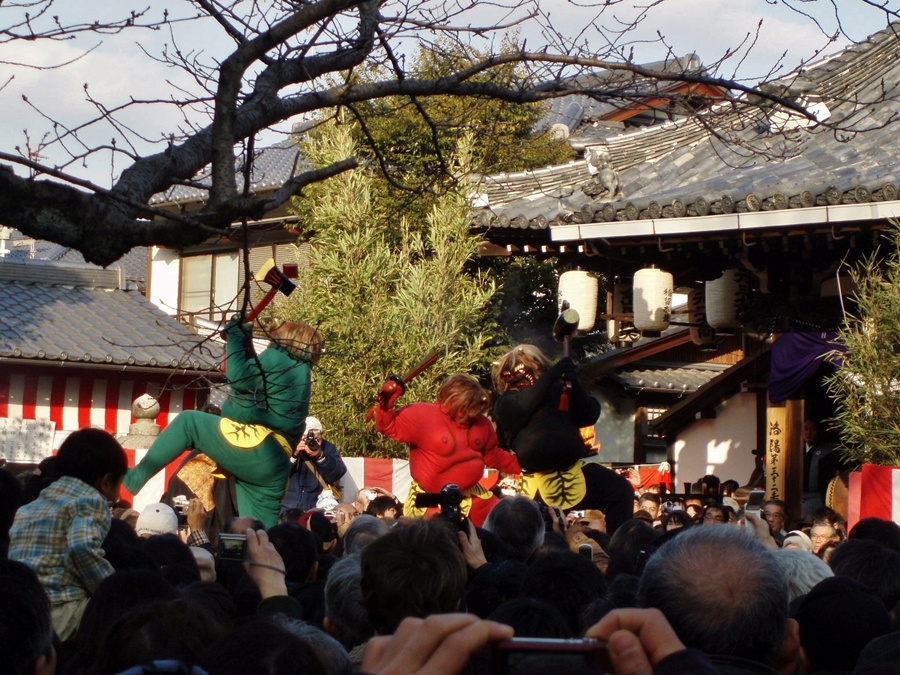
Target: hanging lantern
x=725, y=297
x=619, y=331
x=652, y=301
x=579, y=288
x=702, y=335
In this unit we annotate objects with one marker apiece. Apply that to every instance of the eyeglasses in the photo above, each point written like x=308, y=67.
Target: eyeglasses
x=709, y=518
x=772, y=514
x=821, y=537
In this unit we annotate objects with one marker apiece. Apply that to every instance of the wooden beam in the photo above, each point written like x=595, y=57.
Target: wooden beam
x=626, y=356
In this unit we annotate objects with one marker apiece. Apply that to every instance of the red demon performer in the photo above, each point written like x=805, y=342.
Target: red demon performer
x=450, y=441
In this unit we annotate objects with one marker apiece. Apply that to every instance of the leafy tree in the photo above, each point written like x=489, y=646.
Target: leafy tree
x=384, y=292
x=866, y=384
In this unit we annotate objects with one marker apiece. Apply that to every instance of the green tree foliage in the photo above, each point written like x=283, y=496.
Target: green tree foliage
x=384, y=291
x=866, y=386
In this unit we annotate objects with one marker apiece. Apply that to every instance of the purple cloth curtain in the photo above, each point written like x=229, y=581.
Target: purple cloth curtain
x=796, y=356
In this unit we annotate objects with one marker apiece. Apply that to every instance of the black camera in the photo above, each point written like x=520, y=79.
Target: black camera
x=448, y=500
x=551, y=517
x=311, y=442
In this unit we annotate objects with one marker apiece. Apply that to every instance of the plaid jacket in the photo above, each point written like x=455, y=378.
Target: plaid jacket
x=59, y=536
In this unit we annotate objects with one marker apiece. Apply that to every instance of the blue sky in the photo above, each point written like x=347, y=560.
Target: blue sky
x=117, y=68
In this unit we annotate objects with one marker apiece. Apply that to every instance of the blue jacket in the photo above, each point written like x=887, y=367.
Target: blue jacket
x=303, y=487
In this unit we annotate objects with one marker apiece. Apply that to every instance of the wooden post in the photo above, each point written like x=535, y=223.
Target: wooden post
x=793, y=465
x=776, y=421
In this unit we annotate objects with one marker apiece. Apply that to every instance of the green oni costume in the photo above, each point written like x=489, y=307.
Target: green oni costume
x=261, y=423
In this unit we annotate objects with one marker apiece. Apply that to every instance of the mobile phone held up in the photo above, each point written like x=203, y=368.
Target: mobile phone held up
x=565, y=655
x=754, y=503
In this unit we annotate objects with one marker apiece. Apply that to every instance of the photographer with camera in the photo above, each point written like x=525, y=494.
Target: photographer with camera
x=316, y=466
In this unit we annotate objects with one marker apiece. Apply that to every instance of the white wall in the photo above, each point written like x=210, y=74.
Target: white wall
x=720, y=446
x=615, y=428
x=165, y=267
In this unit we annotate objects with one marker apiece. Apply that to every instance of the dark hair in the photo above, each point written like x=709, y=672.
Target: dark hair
x=176, y=562
x=517, y=522
x=650, y=497
x=567, y=581
x=89, y=455
x=532, y=618
x=10, y=501
x=785, y=511
x=362, y=531
x=297, y=547
x=42, y=476
x=872, y=565
x=381, y=505
x=885, y=532
x=632, y=535
x=323, y=527
x=26, y=631
x=113, y=598
x=680, y=516
x=260, y=646
x=175, y=629
x=493, y=585
x=413, y=570
x=685, y=579
x=343, y=603
x=255, y=524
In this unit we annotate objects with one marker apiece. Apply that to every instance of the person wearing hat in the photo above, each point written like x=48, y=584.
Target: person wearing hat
x=315, y=466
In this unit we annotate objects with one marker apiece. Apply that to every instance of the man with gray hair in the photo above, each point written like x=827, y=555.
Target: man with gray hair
x=346, y=619
x=725, y=595
x=518, y=523
x=363, y=530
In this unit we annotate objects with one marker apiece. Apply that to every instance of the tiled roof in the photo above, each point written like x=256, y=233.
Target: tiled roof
x=272, y=167
x=53, y=311
x=666, y=377
x=678, y=169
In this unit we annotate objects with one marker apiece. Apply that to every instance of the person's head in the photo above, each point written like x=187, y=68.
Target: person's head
x=775, y=512
x=425, y=552
x=885, y=532
x=240, y=524
x=822, y=533
x=650, y=502
x=812, y=432
x=519, y=367
x=261, y=646
x=313, y=426
x=722, y=592
x=566, y=580
x=176, y=562
x=532, y=618
x=729, y=487
x=95, y=457
x=333, y=656
x=383, y=507
x=838, y=618
x=26, y=630
x=156, y=519
x=318, y=524
x=632, y=535
x=872, y=565
x=463, y=399
x=298, y=548
x=676, y=519
x=345, y=617
x=517, y=522
x=715, y=514
x=362, y=531
x=797, y=539
x=693, y=505
x=113, y=598
x=299, y=339
x=174, y=629
x=802, y=570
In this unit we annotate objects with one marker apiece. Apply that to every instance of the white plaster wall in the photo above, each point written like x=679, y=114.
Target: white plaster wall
x=165, y=267
x=720, y=446
x=615, y=429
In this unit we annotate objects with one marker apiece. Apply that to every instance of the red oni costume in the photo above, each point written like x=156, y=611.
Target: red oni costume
x=444, y=451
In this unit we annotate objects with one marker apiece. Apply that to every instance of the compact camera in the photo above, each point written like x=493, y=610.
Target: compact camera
x=509, y=655
x=180, y=504
x=232, y=547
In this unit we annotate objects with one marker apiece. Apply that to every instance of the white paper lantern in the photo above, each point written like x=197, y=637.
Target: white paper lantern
x=652, y=300
x=618, y=331
x=580, y=290
x=702, y=335
x=724, y=298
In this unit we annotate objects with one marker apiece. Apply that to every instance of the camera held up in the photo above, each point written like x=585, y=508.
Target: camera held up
x=448, y=500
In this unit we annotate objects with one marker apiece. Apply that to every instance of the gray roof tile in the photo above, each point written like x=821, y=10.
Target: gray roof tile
x=90, y=319
x=665, y=377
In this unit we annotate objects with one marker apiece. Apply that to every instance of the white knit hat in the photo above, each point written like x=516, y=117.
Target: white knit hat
x=157, y=519
x=312, y=424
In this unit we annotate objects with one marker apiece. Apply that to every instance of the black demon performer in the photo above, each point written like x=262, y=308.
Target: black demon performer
x=539, y=412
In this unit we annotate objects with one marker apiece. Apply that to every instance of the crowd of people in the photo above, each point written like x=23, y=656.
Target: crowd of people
x=303, y=579
x=690, y=584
